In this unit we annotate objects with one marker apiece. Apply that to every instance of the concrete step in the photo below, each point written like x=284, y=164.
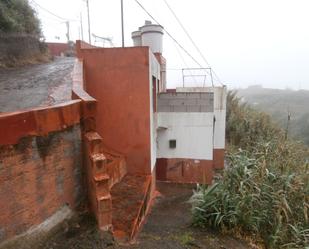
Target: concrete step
x=104, y=212
x=101, y=183
x=104, y=203
x=98, y=162
x=94, y=142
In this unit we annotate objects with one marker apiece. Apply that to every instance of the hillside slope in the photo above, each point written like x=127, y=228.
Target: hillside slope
x=278, y=103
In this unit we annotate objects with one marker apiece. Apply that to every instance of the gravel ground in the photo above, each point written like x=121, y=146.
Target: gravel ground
x=168, y=226
x=36, y=85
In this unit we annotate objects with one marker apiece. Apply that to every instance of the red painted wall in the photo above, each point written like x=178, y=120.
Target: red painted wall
x=118, y=78
x=218, y=155
x=184, y=170
x=56, y=48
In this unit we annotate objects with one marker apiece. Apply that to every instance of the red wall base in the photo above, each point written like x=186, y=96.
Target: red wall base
x=219, y=158
x=184, y=170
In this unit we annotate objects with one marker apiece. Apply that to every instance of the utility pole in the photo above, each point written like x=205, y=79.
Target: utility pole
x=122, y=28
x=287, y=125
x=81, y=26
x=89, y=36
x=68, y=30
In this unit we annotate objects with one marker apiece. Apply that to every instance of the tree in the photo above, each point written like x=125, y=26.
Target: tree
x=17, y=16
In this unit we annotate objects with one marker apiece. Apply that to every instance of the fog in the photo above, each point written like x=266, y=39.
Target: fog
x=246, y=42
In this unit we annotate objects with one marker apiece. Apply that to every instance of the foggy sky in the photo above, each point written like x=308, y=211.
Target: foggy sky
x=245, y=41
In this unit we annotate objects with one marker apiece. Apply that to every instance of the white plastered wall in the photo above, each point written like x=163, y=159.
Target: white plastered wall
x=154, y=70
x=193, y=133
x=219, y=111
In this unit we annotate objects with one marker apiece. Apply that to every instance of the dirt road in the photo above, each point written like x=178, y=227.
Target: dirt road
x=36, y=85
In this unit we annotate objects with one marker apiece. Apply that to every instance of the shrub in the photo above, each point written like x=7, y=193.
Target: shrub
x=264, y=191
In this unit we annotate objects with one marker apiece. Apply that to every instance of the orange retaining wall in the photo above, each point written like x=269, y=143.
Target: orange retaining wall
x=38, y=121
x=38, y=176
x=41, y=160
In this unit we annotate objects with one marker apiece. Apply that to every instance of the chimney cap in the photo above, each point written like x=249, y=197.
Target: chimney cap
x=136, y=33
x=147, y=22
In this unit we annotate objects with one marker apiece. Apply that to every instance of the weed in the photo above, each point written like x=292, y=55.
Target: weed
x=186, y=239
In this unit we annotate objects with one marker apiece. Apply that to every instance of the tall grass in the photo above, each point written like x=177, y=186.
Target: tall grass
x=264, y=192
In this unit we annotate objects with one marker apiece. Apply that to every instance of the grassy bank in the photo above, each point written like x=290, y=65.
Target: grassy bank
x=264, y=193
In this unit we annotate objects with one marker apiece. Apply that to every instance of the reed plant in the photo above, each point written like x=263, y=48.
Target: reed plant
x=264, y=191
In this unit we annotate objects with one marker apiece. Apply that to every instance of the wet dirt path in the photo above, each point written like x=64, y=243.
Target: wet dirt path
x=36, y=85
x=168, y=226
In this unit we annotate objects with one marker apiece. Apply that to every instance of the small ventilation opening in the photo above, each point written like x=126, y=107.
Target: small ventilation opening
x=172, y=143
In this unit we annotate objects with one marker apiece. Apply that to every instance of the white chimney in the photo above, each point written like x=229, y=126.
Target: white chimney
x=137, y=38
x=152, y=36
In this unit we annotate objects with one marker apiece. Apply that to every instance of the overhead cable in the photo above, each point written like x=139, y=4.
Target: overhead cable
x=169, y=34
x=190, y=38
x=184, y=62
x=51, y=13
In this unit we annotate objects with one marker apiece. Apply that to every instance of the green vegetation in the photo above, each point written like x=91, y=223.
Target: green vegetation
x=264, y=192
x=17, y=16
x=186, y=239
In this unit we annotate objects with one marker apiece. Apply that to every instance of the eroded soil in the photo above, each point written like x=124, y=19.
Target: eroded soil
x=36, y=85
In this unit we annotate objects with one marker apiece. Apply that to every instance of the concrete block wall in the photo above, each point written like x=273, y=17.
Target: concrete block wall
x=186, y=102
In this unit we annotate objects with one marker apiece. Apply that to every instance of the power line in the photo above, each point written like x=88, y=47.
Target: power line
x=190, y=38
x=51, y=13
x=196, y=61
x=184, y=62
x=179, y=22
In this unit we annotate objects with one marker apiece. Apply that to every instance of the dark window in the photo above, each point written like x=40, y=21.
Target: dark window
x=172, y=143
x=154, y=94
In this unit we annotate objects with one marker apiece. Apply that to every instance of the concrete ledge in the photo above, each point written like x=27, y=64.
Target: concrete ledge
x=88, y=105
x=38, y=234
x=38, y=121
